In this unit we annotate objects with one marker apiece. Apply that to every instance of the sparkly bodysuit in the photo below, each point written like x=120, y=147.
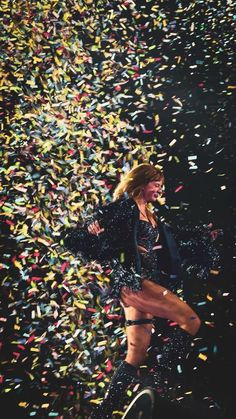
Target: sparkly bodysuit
x=147, y=237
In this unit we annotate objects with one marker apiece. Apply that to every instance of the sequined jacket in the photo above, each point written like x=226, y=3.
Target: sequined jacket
x=119, y=240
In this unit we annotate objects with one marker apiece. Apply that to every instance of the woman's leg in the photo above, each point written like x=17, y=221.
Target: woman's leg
x=160, y=302
x=138, y=328
x=138, y=341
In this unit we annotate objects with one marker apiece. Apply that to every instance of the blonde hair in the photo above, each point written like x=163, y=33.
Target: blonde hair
x=133, y=181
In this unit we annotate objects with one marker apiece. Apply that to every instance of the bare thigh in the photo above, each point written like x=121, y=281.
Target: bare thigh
x=160, y=302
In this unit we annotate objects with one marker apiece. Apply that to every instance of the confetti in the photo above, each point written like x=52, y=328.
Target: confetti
x=90, y=89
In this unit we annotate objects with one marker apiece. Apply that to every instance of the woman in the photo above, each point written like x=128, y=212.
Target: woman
x=142, y=253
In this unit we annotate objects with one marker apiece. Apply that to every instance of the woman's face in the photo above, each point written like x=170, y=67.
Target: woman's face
x=152, y=190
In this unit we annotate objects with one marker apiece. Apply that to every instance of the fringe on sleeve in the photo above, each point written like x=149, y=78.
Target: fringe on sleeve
x=199, y=253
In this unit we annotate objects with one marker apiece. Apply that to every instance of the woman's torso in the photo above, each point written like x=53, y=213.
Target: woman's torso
x=147, y=239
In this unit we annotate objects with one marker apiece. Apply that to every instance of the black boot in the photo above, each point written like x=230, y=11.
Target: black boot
x=167, y=372
x=121, y=379
x=177, y=344
x=175, y=349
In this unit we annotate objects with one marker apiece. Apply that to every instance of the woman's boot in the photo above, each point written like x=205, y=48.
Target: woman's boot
x=165, y=373
x=175, y=349
x=121, y=379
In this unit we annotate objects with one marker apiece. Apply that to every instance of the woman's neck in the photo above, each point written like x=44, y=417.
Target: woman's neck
x=144, y=211
x=141, y=202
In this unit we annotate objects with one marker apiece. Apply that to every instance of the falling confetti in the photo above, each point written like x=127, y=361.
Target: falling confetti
x=90, y=89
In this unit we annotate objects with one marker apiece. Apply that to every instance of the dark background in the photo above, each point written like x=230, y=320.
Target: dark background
x=171, y=59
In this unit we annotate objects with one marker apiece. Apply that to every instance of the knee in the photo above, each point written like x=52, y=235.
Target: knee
x=197, y=324
x=193, y=324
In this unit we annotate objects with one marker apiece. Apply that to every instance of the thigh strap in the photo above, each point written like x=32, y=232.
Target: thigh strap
x=139, y=321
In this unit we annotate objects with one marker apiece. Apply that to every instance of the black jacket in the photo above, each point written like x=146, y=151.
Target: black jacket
x=119, y=240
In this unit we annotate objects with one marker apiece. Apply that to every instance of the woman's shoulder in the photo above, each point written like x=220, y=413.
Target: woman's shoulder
x=120, y=209
x=128, y=206
x=123, y=202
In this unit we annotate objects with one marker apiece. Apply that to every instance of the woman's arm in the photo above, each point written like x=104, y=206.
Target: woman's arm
x=102, y=234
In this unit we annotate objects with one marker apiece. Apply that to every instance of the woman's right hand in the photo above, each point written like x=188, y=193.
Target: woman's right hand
x=95, y=228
